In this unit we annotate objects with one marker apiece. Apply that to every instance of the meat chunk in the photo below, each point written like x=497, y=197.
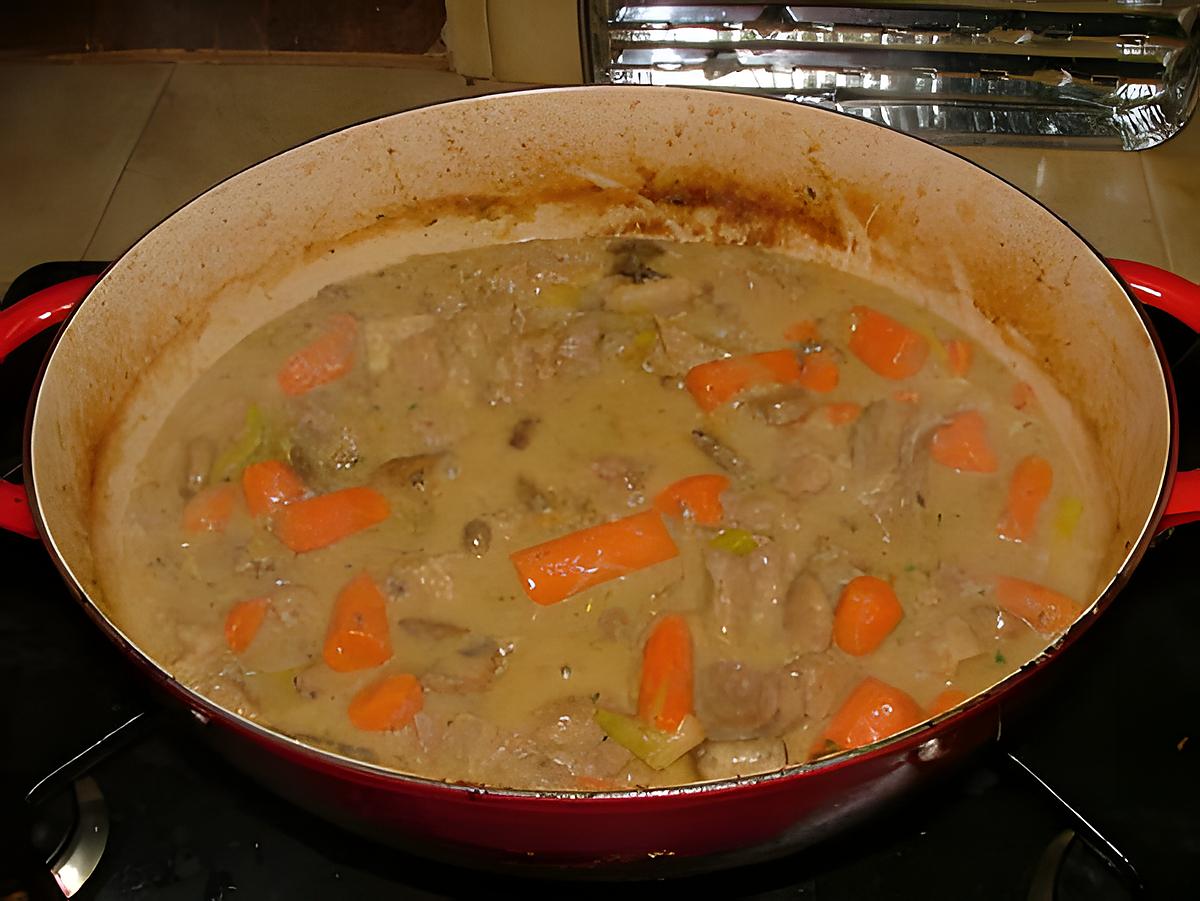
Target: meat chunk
x=384, y=337
x=682, y=349
x=290, y=634
x=758, y=511
x=559, y=743
x=472, y=668
x=527, y=360
x=578, y=351
x=731, y=759
x=804, y=474
x=324, y=445
x=624, y=476
x=422, y=584
x=665, y=296
x=991, y=623
x=468, y=745
x=408, y=484
x=823, y=682
x=808, y=615
x=954, y=642
x=735, y=700
x=876, y=447
x=782, y=407
x=749, y=590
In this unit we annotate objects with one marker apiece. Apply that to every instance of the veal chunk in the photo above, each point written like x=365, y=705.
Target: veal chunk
x=749, y=591
x=735, y=700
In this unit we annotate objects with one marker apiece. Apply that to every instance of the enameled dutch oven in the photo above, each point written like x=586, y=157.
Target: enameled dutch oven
x=677, y=163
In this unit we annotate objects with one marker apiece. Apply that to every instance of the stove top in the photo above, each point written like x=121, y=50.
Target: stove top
x=1110, y=744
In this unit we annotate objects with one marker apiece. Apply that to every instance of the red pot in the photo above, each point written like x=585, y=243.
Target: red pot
x=588, y=161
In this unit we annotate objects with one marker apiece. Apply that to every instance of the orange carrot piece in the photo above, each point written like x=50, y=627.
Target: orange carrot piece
x=719, y=381
x=1043, y=609
x=959, y=354
x=819, y=372
x=358, y=636
x=1028, y=490
x=947, y=699
x=387, y=705
x=962, y=443
x=888, y=347
x=594, y=784
x=328, y=518
x=270, y=484
x=1022, y=395
x=906, y=397
x=802, y=331
x=243, y=621
x=665, y=695
x=698, y=497
x=554, y=570
x=209, y=509
x=326, y=359
x=866, y=614
x=873, y=711
x=843, y=414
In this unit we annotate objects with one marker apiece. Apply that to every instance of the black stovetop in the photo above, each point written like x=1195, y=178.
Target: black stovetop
x=1111, y=737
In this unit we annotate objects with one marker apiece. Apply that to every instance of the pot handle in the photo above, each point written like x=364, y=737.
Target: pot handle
x=1179, y=298
x=20, y=322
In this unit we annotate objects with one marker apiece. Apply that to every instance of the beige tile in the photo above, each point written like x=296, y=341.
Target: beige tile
x=215, y=120
x=68, y=130
x=1102, y=194
x=1173, y=174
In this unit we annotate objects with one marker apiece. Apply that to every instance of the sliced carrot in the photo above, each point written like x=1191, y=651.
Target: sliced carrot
x=888, y=347
x=819, y=372
x=873, y=711
x=665, y=695
x=1022, y=395
x=802, y=331
x=947, y=699
x=594, y=784
x=906, y=397
x=866, y=614
x=959, y=354
x=719, y=381
x=843, y=414
x=358, y=636
x=554, y=570
x=1027, y=492
x=1042, y=608
x=328, y=518
x=962, y=443
x=324, y=360
x=243, y=621
x=697, y=497
x=270, y=484
x=209, y=509
x=387, y=705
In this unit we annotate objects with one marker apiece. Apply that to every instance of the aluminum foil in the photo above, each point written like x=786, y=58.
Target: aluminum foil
x=1121, y=73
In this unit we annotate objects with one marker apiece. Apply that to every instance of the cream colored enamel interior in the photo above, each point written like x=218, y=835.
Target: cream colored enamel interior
x=590, y=161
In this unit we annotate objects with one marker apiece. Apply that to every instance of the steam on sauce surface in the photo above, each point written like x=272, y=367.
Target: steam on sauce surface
x=598, y=514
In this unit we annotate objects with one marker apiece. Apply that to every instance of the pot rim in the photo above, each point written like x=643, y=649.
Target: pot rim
x=919, y=735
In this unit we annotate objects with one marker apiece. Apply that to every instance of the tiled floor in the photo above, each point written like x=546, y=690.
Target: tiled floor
x=92, y=155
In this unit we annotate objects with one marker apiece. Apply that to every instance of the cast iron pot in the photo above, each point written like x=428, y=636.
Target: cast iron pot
x=677, y=163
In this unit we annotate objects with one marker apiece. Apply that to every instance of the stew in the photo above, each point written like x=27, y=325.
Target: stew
x=605, y=513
